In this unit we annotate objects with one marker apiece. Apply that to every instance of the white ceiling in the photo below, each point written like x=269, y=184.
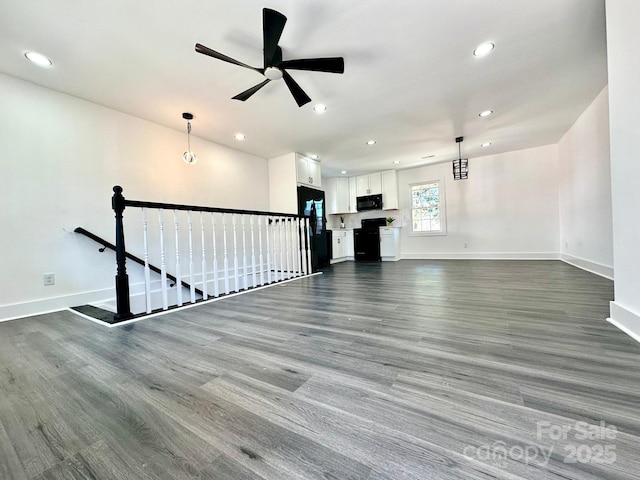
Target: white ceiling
x=410, y=82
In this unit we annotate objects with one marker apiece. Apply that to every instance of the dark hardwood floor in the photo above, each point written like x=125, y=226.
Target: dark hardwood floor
x=407, y=370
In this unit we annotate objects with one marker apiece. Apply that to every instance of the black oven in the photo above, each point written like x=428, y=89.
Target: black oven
x=369, y=202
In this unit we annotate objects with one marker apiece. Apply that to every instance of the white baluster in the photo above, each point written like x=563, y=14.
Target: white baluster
x=296, y=246
x=226, y=258
x=283, y=263
x=287, y=241
x=245, y=281
x=192, y=281
x=309, y=266
x=253, y=253
x=147, y=272
x=274, y=228
x=266, y=231
x=205, y=291
x=260, y=258
x=235, y=252
x=178, y=273
x=303, y=251
x=216, y=287
x=163, y=265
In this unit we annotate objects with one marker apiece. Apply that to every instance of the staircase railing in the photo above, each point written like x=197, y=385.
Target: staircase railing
x=236, y=250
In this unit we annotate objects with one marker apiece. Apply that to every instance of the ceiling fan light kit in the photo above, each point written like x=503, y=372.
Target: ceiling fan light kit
x=274, y=68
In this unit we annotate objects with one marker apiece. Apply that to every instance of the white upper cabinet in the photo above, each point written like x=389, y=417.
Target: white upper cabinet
x=389, y=190
x=353, y=193
x=370, y=184
x=337, y=195
x=308, y=171
x=341, y=192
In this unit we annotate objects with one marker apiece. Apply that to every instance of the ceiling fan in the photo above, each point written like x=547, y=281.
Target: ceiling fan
x=274, y=67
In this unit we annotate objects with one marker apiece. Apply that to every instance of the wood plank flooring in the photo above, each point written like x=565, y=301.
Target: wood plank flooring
x=372, y=371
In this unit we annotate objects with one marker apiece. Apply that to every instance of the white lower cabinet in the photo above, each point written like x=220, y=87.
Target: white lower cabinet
x=389, y=244
x=349, y=245
x=342, y=245
x=339, y=245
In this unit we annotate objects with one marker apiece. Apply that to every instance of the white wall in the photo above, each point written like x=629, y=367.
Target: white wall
x=623, y=37
x=283, y=190
x=61, y=157
x=586, y=237
x=508, y=208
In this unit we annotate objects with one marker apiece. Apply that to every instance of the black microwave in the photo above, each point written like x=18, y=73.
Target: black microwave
x=369, y=202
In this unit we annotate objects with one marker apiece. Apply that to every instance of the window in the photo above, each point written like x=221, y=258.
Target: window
x=427, y=208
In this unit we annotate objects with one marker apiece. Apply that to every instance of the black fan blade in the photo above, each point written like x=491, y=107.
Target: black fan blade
x=247, y=93
x=272, y=26
x=212, y=53
x=300, y=97
x=331, y=64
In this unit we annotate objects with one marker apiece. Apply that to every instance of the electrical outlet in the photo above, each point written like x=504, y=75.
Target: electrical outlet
x=49, y=279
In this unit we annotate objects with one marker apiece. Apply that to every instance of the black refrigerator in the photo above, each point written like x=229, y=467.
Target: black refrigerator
x=311, y=204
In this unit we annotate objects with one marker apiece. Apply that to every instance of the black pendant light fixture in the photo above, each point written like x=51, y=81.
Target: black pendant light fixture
x=189, y=157
x=461, y=165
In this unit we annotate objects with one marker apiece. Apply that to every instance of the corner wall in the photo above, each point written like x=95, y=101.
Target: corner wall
x=623, y=36
x=586, y=236
x=61, y=158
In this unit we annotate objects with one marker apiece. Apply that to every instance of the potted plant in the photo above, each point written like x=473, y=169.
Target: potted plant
x=390, y=221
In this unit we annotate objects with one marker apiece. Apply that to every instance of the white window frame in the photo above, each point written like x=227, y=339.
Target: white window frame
x=441, y=206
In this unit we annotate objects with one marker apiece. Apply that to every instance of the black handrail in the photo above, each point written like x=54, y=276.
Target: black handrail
x=195, y=208
x=138, y=260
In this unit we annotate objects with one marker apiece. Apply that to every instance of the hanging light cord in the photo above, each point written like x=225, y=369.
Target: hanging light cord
x=459, y=152
x=189, y=135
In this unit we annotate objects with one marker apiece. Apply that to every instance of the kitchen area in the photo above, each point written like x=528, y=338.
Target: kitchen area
x=363, y=217
x=350, y=215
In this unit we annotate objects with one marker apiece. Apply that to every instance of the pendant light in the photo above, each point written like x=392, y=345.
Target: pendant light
x=189, y=157
x=461, y=165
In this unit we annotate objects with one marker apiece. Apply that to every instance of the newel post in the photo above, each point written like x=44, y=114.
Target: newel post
x=122, y=279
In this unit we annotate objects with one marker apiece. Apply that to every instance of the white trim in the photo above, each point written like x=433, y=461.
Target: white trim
x=605, y=271
x=42, y=306
x=481, y=256
x=624, y=319
x=105, y=296
x=337, y=260
x=442, y=206
x=191, y=305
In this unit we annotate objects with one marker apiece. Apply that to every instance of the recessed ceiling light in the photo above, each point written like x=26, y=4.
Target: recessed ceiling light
x=396, y=161
x=485, y=144
x=486, y=113
x=38, y=59
x=343, y=172
x=371, y=142
x=483, y=49
x=320, y=108
x=240, y=136
x=314, y=156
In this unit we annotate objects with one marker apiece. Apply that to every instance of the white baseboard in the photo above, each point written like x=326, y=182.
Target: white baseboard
x=105, y=298
x=54, y=304
x=481, y=256
x=605, y=271
x=188, y=306
x=625, y=320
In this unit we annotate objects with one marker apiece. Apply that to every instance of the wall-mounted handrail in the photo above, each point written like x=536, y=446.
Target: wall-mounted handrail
x=131, y=257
